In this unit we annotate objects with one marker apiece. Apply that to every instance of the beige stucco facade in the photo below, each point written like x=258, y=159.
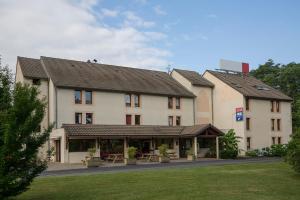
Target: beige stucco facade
x=203, y=101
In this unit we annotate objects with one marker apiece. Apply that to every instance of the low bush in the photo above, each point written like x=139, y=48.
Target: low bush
x=131, y=152
x=253, y=153
x=229, y=143
x=293, y=151
x=163, y=150
x=278, y=150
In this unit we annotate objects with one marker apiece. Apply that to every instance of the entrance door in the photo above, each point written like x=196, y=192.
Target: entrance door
x=57, y=150
x=185, y=144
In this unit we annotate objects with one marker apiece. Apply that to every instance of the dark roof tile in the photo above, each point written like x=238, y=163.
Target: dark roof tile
x=32, y=68
x=195, y=78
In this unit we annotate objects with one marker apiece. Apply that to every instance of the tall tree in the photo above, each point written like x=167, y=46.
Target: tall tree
x=286, y=78
x=21, y=113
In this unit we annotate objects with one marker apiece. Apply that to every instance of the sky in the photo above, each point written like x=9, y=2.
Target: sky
x=152, y=34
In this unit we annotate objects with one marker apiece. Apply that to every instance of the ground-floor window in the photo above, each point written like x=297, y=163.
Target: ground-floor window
x=248, y=143
x=111, y=145
x=81, y=145
x=167, y=141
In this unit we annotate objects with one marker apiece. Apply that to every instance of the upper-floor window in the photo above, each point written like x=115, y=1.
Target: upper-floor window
x=128, y=119
x=273, y=124
x=136, y=100
x=78, y=96
x=137, y=119
x=78, y=118
x=248, y=143
x=272, y=106
x=177, y=102
x=128, y=100
x=88, y=97
x=178, y=120
x=247, y=103
x=170, y=102
x=248, y=123
x=170, y=120
x=278, y=124
x=277, y=106
x=36, y=81
x=273, y=140
x=89, y=118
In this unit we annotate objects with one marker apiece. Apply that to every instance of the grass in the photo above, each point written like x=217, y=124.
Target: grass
x=249, y=181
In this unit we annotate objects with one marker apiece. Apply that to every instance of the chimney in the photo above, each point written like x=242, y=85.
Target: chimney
x=245, y=68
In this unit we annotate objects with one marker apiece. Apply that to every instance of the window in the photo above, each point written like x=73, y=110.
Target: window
x=170, y=102
x=88, y=97
x=277, y=106
x=128, y=100
x=78, y=96
x=170, y=119
x=81, y=145
x=136, y=100
x=128, y=119
x=168, y=141
x=273, y=124
x=178, y=121
x=177, y=102
x=279, y=140
x=248, y=123
x=247, y=104
x=272, y=106
x=36, y=81
x=78, y=118
x=248, y=143
x=278, y=124
x=273, y=140
x=89, y=118
x=137, y=120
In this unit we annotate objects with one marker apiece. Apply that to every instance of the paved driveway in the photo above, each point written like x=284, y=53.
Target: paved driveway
x=156, y=166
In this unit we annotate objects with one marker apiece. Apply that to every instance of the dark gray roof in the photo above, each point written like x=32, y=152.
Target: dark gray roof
x=143, y=130
x=32, y=68
x=77, y=74
x=250, y=86
x=195, y=78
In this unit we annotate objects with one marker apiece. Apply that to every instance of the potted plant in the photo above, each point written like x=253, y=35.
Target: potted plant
x=163, y=155
x=92, y=161
x=131, y=160
x=190, y=155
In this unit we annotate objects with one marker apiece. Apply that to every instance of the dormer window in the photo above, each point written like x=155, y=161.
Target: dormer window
x=36, y=81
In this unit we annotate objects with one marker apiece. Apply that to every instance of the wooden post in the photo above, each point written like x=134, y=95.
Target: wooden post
x=217, y=148
x=125, y=148
x=195, y=147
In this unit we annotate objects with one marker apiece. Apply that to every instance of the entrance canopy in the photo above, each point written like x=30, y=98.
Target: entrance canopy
x=142, y=131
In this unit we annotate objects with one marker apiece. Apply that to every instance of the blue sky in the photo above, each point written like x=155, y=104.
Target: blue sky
x=184, y=34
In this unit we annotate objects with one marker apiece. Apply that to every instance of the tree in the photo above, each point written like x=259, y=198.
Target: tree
x=21, y=113
x=293, y=151
x=286, y=78
x=229, y=143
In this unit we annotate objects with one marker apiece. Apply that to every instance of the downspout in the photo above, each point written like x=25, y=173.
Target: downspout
x=194, y=111
x=56, y=107
x=212, y=106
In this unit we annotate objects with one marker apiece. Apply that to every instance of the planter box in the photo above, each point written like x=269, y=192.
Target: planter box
x=163, y=159
x=190, y=157
x=93, y=162
x=128, y=161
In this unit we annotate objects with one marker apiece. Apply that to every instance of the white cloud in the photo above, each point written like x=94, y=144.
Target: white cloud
x=66, y=29
x=133, y=20
x=109, y=13
x=158, y=10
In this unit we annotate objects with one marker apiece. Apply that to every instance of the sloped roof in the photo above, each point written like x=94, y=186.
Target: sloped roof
x=195, y=78
x=141, y=130
x=77, y=74
x=32, y=68
x=250, y=86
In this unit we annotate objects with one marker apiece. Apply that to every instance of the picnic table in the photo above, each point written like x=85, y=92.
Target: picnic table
x=149, y=157
x=115, y=157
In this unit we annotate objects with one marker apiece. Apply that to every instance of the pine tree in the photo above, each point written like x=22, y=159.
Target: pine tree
x=21, y=112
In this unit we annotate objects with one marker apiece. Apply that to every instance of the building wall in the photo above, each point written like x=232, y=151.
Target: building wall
x=260, y=123
x=203, y=101
x=109, y=108
x=225, y=102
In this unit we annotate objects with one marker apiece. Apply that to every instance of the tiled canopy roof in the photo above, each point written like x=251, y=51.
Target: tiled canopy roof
x=250, y=86
x=195, y=78
x=32, y=68
x=145, y=130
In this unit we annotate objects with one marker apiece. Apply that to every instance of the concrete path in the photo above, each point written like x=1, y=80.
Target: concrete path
x=156, y=166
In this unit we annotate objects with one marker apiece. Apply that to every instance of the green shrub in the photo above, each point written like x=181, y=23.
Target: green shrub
x=131, y=152
x=278, y=150
x=253, y=153
x=266, y=151
x=293, y=151
x=163, y=150
x=229, y=145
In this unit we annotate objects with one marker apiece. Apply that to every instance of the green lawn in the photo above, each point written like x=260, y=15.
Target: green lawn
x=250, y=181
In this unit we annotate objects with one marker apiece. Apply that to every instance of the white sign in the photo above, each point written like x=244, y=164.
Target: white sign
x=231, y=65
